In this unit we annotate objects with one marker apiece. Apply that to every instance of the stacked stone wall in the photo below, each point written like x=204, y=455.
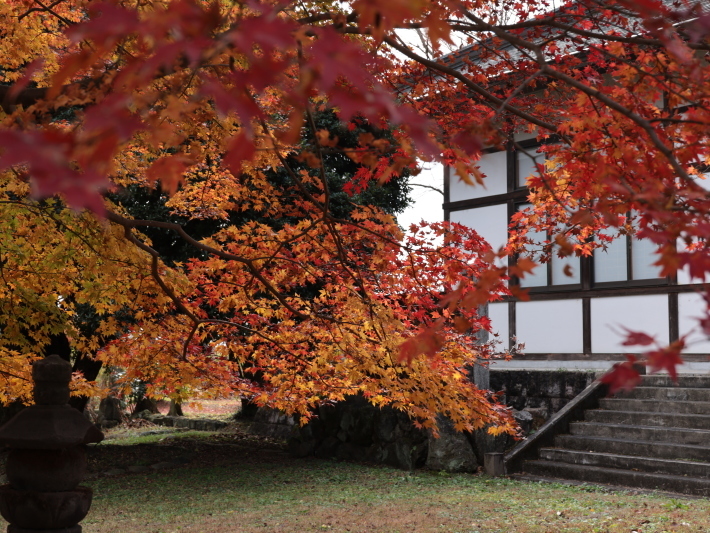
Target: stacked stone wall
x=356, y=430
x=540, y=392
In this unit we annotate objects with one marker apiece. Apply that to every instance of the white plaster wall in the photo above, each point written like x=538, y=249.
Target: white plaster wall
x=598, y=366
x=685, y=279
x=527, y=166
x=610, y=263
x=644, y=255
x=558, y=264
x=538, y=277
x=704, y=181
x=684, y=274
x=648, y=314
x=490, y=222
x=553, y=326
x=524, y=136
x=498, y=313
x=691, y=306
x=493, y=165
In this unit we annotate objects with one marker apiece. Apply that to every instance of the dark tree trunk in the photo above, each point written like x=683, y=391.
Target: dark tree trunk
x=58, y=344
x=90, y=368
x=175, y=409
x=248, y=410
x=144, y=404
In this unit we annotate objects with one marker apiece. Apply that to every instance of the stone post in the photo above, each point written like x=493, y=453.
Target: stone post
x=481, y=373
x=484, y=444
x=47, y=459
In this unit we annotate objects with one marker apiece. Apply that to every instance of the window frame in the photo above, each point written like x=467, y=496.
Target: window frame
x=518, y=195
x=549, y=286
x=587, y=290
x=629, y=281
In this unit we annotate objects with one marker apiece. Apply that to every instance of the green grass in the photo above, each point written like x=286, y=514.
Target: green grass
x=133, y=438
x=311, y=495
x=240, y=484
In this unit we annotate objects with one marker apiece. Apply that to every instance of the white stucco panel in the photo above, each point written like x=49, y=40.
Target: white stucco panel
x=498, y=314
x=490, y=222
x=648, y=314
x=553, y=326
x=493, y=165
x=691, y=307
x=684, y=277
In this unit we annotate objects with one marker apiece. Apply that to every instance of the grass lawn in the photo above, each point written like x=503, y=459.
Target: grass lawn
x=310, y=495
x=234, y=482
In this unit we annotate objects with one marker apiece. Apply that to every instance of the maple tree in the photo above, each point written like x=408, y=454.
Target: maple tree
x=207, y=98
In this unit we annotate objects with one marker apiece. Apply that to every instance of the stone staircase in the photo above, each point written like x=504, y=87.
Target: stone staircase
x=655, y=437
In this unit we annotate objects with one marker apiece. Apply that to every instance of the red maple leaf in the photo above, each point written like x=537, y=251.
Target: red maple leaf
x=667, y=359
x=637, y=338
x=622, y=376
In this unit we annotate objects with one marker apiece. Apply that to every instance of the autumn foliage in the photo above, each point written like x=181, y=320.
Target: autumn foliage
x=204, y=98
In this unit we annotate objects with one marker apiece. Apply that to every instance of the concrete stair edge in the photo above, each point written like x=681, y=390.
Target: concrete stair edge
x=674, y=434
x=602, y=487
x=684, y=380
x=627, y=462
x=692, y=394
x=663, y=450
x=646, y=480
x=698, y=416
x=648, y=418
x=653, y=406
x=654, y=438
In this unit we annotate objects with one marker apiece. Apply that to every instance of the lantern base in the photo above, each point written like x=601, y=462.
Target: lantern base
x=53, y=511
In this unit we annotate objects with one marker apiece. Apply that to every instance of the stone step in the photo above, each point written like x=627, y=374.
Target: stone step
x=641, y=418
x=680, y=394
x=629, y=478
x=659, y=450
x=662, y=380
x=656, y=437
x=627, y=462
x=697, y=437
x=654, y=406
x=606, y=487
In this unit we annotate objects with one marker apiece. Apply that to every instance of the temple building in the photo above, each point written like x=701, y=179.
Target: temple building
x=577, y=320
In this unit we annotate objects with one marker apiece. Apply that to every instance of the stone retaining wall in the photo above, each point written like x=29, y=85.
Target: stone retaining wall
x=540, y=392
x=200, y=424
x=355, y=430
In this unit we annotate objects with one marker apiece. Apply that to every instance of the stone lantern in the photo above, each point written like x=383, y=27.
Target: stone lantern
x=47, y=459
